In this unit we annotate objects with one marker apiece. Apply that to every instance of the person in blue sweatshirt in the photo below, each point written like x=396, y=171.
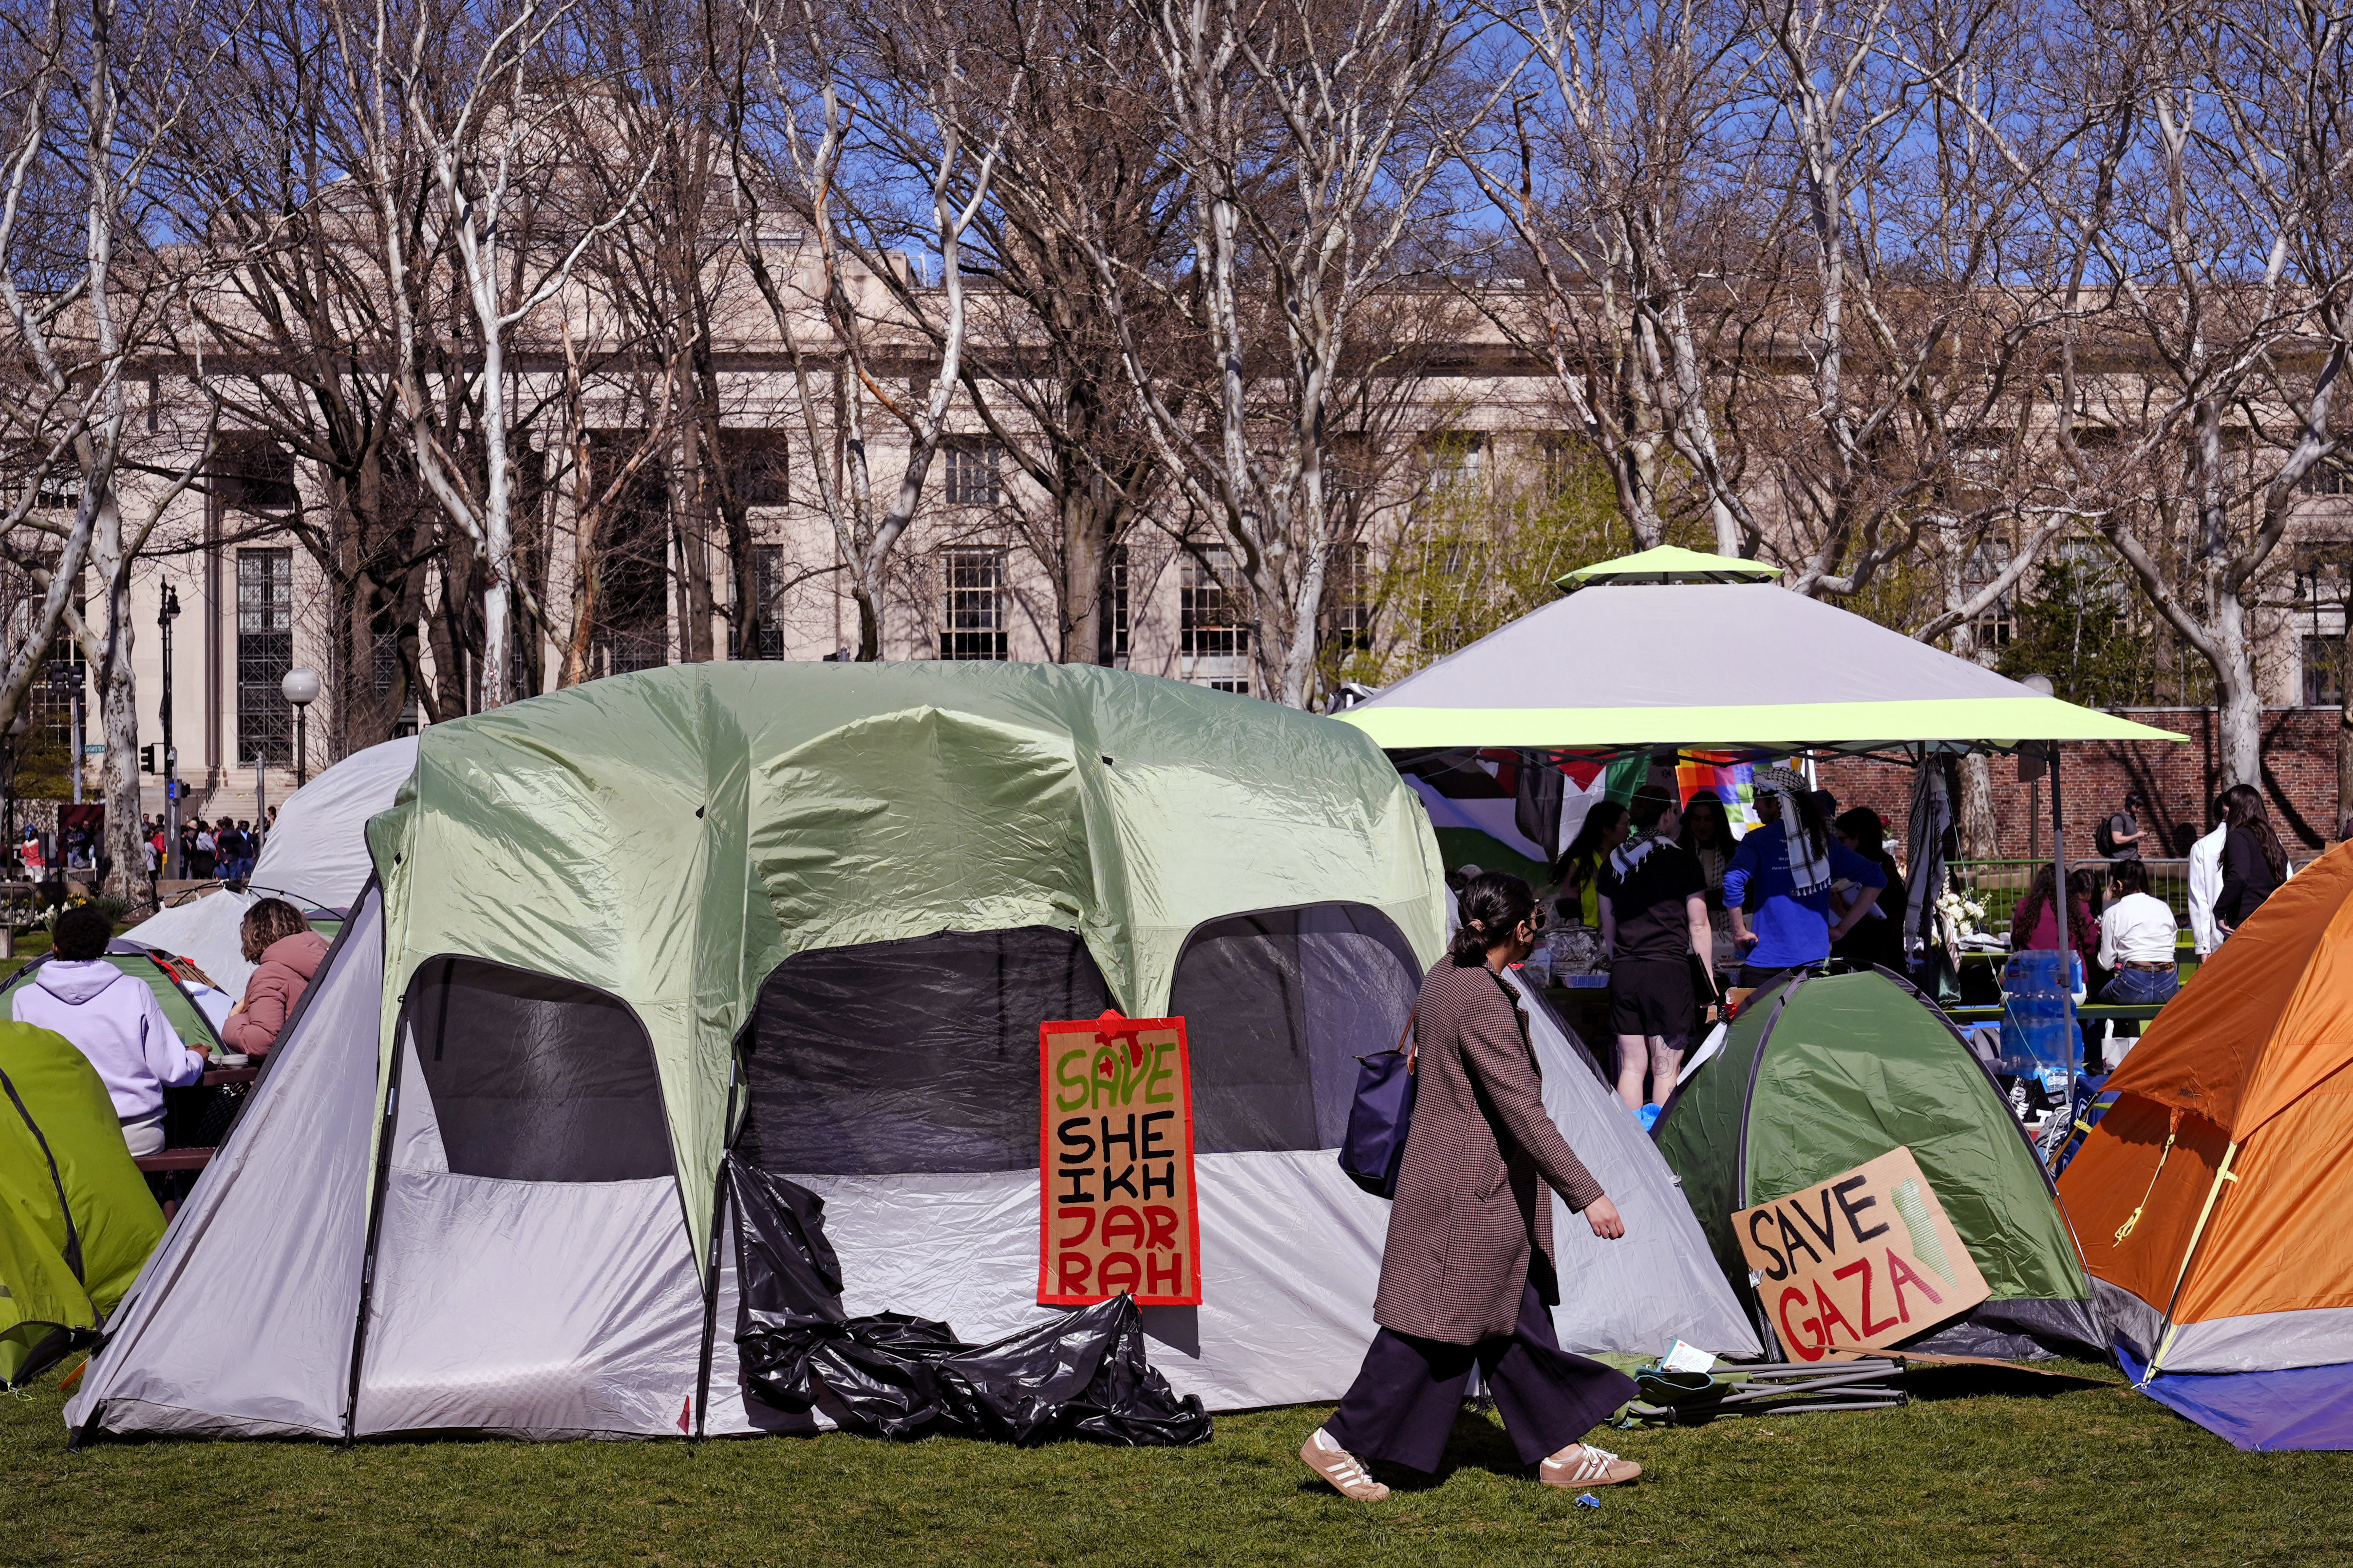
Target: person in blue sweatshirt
x=1783, y=870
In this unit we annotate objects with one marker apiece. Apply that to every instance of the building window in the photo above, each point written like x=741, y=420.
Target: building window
x=1564, y=464
x=2324, y=672
x=265, y=652
x=1457, y=467
x=254, y=476
x=759, y=467
x=1985, y=563
x=59, y=491
x=972, y=473
x=767, y=571
x=1120, y=622
x=632, y=623
x=1211, y=633
x=974, y=609
x=2331, y=476
x=1348, y=589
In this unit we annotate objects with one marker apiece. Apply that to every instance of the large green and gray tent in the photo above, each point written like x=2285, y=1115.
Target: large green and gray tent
x=812, y=913
x=1825, y=1072
x=76, y=1218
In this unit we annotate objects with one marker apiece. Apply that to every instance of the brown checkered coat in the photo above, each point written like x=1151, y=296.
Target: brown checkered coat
x=1469, y=1204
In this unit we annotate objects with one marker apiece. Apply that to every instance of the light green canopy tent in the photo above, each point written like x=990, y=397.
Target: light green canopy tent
x=1670, y=564
x=1672, y=648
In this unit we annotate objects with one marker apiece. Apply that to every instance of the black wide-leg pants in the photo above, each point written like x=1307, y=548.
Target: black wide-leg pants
x=1409, y=1390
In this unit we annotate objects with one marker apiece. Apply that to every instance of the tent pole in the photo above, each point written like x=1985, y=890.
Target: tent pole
x=719, y=1194
x=384, y=1129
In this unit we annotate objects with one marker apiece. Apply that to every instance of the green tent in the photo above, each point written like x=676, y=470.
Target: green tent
x=76, y=1218
x=162, y=973
x=1825, y=1072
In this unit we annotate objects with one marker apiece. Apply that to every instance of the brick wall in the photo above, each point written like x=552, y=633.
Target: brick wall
x=2177, y=779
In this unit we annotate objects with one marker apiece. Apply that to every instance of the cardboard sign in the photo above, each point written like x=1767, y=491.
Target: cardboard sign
x=1117, y=1212
x=1860, y=1261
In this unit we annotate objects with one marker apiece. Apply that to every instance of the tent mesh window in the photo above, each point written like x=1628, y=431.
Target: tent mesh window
x=1277, y=1007
x=534, y=1078
x=912, y=1055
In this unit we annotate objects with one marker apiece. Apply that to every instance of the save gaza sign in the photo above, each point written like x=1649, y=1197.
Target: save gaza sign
x=1117, y=1211
x=1860, y=1261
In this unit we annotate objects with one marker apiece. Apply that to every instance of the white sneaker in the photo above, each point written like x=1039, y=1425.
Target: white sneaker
x=1583, y=1465
x=1341, y=1469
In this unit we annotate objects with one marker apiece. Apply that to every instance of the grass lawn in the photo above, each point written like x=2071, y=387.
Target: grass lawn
x=1985, y=1467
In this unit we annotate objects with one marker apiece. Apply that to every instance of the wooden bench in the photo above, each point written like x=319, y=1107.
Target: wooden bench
x=174, y=1160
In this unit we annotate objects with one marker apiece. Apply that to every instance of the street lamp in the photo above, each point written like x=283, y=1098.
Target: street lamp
x=172, y=867
x=301, y=685
x=66, y=679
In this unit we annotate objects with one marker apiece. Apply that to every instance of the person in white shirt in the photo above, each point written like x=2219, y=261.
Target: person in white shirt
x=2137, y=938
x=2206, y=885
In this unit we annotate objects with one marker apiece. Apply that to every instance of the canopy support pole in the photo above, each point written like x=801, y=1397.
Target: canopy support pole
x=2065, y=1113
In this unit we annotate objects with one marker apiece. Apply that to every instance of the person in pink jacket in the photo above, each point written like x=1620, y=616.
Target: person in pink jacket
x=276, y=938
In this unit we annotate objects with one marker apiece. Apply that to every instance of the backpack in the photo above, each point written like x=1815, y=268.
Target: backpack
x=2105, y=839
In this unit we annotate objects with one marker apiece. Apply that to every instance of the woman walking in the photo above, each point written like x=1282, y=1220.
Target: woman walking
x=1468, y=1276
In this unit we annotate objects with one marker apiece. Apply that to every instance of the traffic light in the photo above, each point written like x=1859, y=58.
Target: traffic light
x=147, y=758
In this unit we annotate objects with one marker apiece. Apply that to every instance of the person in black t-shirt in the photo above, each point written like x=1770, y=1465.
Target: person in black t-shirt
x=2123, y=830
x=1653, y=906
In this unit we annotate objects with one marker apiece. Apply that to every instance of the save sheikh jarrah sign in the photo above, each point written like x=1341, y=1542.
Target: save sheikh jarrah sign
x=1860, y=1261
x=1117, y=1210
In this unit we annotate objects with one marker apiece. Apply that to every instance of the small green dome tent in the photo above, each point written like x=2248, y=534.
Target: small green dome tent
x=1825, y=1072
x=76, y=1218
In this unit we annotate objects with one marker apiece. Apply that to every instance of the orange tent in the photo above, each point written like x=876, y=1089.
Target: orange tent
x=2210, y=1198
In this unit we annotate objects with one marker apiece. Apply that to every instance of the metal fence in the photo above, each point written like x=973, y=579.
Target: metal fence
x=1998, y=884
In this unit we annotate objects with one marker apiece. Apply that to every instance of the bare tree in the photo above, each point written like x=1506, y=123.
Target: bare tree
x=1083, y=150
x=1309, y=135
x=2235, y=266
x=94, y=96
x=792, y=152
x=1619, y=163
x=475, y=91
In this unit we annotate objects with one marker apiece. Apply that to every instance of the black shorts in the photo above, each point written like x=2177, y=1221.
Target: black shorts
x=1651, y=997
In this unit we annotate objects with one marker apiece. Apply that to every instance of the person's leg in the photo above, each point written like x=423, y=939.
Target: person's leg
x=1404, y=1402
x=1549, y=1399
x=1633, y=1056
x=144, y=1137
x=1666, y=1064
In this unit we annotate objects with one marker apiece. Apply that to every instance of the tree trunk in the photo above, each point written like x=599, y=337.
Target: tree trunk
x=1084, y=556
x=2345, y=726
x=2239, y=709
x=1980, y=837
x=109, y=650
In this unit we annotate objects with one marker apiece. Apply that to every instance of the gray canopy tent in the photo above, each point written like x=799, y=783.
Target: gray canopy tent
x=1676, y=653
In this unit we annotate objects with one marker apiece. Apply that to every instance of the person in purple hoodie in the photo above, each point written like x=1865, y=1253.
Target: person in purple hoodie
x=113, y=1019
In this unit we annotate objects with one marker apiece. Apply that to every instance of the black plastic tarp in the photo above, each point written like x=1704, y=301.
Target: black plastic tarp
x=1082, y=1376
